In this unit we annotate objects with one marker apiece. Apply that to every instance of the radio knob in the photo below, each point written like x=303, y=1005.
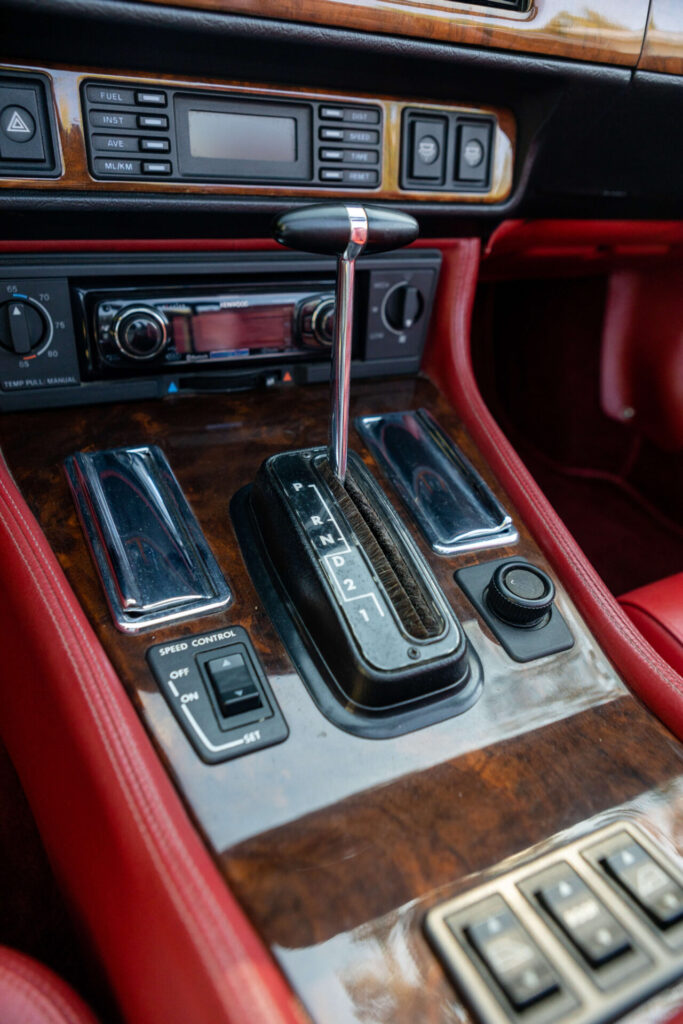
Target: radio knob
x=140, y=332
x=322, y=322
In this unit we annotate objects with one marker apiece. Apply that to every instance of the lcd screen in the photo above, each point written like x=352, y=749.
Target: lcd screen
x=218, y=135
x=243, y=330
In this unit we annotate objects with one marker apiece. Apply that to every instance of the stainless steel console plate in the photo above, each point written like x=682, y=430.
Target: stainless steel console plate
x=451, y=504
x=152, y=557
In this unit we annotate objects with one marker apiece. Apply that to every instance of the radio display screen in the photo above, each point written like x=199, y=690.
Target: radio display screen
x=235, y=332
x=223, y=135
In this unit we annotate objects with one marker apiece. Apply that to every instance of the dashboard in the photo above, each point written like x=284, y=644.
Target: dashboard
x=306, y=309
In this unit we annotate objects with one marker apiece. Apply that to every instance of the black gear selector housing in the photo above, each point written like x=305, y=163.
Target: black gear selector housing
x=368, y=606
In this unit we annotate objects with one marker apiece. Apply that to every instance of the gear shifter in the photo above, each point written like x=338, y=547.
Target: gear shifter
x=371, y=614
x=344, y=231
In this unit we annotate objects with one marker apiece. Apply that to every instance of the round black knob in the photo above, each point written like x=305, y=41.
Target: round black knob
x=322, y=322
x=140, y=332
x=403, y=306
x=25, y=326
x=520, y=594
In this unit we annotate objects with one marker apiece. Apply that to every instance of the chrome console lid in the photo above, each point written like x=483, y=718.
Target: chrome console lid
x=151, y=555
x=449, y=501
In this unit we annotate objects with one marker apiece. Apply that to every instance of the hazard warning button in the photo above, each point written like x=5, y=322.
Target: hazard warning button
x=17, y=124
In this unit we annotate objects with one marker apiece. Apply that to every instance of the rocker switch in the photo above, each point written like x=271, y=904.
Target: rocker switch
x=233, y=683
x=584, y=919
x=513, y=958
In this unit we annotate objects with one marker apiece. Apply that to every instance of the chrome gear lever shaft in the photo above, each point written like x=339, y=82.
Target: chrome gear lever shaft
x=343, y=331
x=345, y=231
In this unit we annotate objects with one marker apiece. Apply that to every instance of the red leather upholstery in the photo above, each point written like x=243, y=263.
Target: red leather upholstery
x=175, y=944
x=657, y=611
x=448, y=362
x=31, y=994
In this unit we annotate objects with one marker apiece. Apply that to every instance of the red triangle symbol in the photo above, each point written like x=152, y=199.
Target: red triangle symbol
x=287, y=378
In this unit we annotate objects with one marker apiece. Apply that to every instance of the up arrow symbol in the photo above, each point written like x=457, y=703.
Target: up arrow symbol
x=16, y=311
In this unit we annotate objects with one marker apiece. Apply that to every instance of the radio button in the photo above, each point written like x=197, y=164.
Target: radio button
x=151, y=99
x=332, y=113
x=121, y=167
x=112, y=143
x=110, y=94
x=111, y=119
x=156, y=167
x=158, y=121
x=330, y=174
x=155, y=145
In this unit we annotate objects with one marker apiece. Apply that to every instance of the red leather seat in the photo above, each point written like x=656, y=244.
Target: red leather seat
x=657, y=611
x=32, y=994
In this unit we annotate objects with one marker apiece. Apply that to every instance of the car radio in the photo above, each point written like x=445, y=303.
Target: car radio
x=181, y=327
x=100, y=328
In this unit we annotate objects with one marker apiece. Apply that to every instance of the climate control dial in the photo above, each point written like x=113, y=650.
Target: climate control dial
x=25, y=326
x=140, y=332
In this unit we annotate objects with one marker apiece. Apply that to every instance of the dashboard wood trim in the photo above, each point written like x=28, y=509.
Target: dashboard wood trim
x=561, y=28
x=663, y=46
x=66, y=83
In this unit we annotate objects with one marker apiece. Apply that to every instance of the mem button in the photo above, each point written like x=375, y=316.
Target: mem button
x=584, y=919
x=233, y=684
x=513, y=958
x=649, y=884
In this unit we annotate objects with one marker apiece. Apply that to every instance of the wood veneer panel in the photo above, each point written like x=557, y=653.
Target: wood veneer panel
x=66, y=84
x=603, y=31
x=337, y=845
x=663, y=46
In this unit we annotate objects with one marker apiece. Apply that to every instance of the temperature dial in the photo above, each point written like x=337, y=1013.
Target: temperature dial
x=25, y=327
x=403, y=307
x=140, y=332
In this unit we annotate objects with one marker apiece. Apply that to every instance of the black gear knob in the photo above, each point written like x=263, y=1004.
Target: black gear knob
x=325, y=229
x=345, y=231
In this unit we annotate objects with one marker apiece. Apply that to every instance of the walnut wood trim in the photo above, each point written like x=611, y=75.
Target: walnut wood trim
x=76, y=175
x=603, y=31
x=663, y=46
x=337, y=846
